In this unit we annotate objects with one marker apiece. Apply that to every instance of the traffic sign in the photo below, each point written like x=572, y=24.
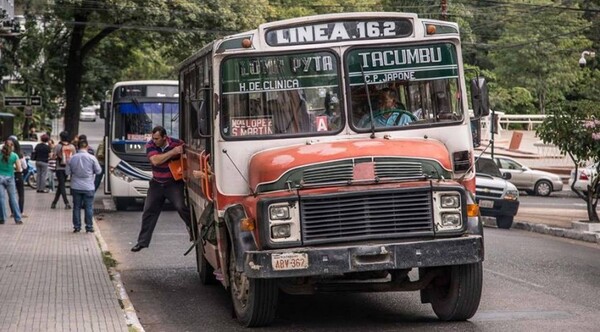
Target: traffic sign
x=15, y=101
x=36, y=101
x=28, y=111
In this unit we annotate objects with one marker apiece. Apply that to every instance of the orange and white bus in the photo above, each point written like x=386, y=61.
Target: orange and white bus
x=328, y=149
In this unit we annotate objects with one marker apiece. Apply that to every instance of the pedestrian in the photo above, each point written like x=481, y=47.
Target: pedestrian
x=160, y=151
x=19, y=183
x=9, y=163
x=84, y=138
x=82, y=167
x=41, y=155
x=100, y=157
x=51, y=165
x=63, y=152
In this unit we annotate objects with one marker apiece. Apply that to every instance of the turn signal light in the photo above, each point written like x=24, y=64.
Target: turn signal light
x=472, y=210
x=247, y=225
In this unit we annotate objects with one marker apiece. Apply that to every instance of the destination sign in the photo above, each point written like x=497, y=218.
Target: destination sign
x=339, y=31
x=381, y=65
x=280, y=72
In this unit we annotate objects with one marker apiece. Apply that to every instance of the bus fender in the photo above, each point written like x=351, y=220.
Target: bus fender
x=241, y=241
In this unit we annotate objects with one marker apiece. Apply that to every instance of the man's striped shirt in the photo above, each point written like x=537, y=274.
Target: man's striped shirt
x=162, y=173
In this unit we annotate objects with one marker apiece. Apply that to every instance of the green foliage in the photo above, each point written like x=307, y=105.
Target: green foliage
x=574, y=127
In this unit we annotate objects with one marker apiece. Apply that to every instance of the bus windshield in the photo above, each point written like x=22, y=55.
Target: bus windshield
x=134, y=121
x=406, y=85
x=281, y=95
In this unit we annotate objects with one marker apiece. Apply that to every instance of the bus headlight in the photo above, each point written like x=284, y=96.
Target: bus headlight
x=120, y=174
x=279, y=212
x=449, y=201
x=284, y=222
x=451, y=219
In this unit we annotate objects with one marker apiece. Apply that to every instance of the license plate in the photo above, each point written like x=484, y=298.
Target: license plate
x=486, y=204
x=289, y=261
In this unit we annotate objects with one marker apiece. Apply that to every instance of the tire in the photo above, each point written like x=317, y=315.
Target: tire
x=504, y=222
x=543, y=188
x=254, y=300
x=457, y=296
x=121, y=203
x=31, y=181
x=205, y=270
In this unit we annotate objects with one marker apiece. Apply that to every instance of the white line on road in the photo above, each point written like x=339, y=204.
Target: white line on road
x=513, y=278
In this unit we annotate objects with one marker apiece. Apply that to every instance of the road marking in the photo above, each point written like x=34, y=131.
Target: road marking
x=513, y=278
x=519, y=315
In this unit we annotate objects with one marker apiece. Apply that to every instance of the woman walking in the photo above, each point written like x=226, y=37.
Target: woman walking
x=9, y=163
x=19, y=182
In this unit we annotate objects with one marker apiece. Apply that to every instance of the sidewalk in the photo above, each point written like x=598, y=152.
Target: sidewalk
x=52, y=279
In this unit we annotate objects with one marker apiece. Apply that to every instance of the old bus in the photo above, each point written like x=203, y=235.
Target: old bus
x=135, y=107
x=301, y=179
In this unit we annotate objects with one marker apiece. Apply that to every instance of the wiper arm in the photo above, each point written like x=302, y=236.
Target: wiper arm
x=368, y=102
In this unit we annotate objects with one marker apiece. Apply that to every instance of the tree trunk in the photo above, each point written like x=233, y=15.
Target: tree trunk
x=591, y=208
x=73, y=76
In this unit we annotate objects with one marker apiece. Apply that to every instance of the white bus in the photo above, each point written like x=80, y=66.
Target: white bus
x=334, y=153
x=135, y=107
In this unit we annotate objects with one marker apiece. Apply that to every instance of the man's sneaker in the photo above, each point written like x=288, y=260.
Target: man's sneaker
x=76, y=230
x=53, y=206
x=89, y=231
x=68, y=206
x=1, y=222
x=19, y=222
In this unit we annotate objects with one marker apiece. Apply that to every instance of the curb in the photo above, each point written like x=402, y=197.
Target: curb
x=130, y=314
x=592, y=237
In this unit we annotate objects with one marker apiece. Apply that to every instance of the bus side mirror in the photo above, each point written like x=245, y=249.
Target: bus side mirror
x=104, y=109
x=480, y=97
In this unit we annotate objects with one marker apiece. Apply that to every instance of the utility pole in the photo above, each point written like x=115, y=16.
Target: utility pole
x=444, y=8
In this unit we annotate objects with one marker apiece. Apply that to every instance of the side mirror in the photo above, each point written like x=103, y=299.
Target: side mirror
x=104, y=109
x=480, y=97
x=506, y=176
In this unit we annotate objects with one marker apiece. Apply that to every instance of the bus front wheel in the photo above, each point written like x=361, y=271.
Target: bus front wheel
x=121, y=203
x=455, y=295
x=254, y=300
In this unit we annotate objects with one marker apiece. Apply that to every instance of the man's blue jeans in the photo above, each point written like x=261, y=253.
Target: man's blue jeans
x=83, y=198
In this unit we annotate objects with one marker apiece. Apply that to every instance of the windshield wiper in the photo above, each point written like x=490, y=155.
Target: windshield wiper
x=368, y=102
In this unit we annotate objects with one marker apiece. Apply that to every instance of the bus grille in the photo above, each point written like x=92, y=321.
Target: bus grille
x=398, y=169
x=344, y=171
x=366, y=216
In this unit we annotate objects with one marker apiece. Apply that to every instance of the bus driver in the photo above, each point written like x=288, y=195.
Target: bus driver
x=388, y=113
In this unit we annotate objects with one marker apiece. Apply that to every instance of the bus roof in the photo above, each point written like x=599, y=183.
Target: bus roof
x=257, y=35
x=146, y=82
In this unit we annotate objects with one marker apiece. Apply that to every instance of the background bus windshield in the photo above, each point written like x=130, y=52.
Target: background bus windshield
x=134, y=121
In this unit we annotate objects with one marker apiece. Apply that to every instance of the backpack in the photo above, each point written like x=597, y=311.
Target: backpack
x=64, y=155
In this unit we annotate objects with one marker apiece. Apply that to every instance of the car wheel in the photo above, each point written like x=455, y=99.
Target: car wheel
x=504, y=222
x=543, y=188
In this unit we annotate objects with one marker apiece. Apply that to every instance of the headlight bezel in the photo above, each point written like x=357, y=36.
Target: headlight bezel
x=439, y=210
x=266, y=222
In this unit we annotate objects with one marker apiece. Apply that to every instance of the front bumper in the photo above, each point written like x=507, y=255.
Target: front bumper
x=331, y=261
x=502, y=207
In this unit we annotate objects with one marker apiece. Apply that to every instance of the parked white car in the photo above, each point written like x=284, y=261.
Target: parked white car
x=532, y=181
x=584, y=176
x=87, y=114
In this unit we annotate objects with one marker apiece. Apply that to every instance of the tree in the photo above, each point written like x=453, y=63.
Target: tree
x=84, y=46
x=574, y=127
x=536, y=50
